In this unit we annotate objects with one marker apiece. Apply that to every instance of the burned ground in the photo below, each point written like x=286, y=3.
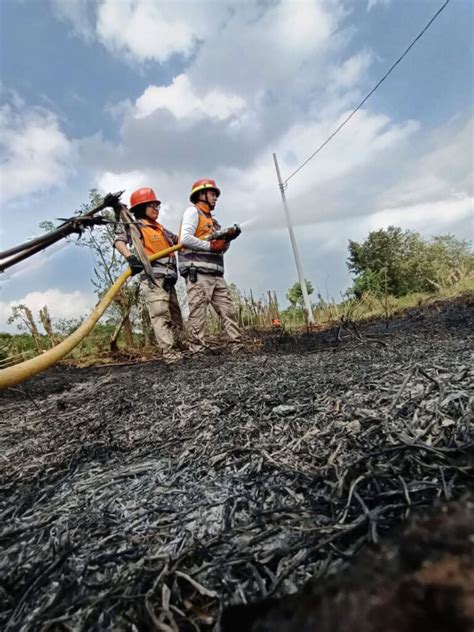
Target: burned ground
x=150, y=496
x=420, y=580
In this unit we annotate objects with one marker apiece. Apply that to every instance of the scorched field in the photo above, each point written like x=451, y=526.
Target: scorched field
x=153, y=497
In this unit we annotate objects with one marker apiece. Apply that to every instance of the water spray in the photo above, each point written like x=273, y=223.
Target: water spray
x=228, y=234
x=248, y=222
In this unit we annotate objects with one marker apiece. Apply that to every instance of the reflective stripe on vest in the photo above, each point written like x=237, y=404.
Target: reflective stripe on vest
x=162, y=268
x=203, y=260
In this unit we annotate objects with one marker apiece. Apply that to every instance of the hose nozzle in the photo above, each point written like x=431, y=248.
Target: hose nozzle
x=228, y=234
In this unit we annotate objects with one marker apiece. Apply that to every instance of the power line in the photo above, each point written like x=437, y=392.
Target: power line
x=346, y=120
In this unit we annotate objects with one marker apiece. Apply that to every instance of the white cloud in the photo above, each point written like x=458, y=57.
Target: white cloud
x=173, y=191
x=35, y=152
x=371, y=4
x=443, y=167
x=78, y=13
x=278, y=48
x=273, y=76
x=180, y=99
x=273, y=39
x=336, y=184
x=127, y=181
x=60, y=305
x=142, y=30
x=433, y=217
x=357, y=144
x=341, y=195
x=250, y=79
x=350, y=72
x=149, y=30
x=304, y=26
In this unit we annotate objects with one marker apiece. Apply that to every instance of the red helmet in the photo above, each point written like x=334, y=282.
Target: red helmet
x=141, y=196
x=203, y=185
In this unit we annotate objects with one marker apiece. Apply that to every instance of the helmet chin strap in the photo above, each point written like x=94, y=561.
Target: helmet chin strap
x=206, y=201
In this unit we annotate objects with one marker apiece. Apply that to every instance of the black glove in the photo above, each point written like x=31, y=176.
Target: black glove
x=169, y=282
x=135, y=264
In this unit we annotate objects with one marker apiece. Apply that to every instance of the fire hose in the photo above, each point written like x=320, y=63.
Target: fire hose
x=12, y=376
x=24, y=370
x=20, y=372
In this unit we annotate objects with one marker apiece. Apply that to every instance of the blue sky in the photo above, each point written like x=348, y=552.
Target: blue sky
x=117, y=94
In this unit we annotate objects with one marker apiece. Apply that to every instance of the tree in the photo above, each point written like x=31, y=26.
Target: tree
x=398, y=262
x=23, y=314
x=448, y=259
x=107, y=267
x=295, y=294
x=45, y=320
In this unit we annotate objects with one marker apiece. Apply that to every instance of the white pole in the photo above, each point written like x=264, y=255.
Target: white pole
x=299, y=265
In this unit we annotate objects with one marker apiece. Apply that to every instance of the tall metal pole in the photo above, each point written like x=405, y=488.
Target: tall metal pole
x=299, y=265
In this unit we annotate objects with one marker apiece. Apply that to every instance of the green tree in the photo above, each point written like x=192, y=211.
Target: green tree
x=447, y=260
x=398, y=262
x=23, y=315
x=108, y=265
x=295, y=293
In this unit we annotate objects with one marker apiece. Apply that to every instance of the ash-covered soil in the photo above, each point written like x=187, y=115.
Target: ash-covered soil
x=421, y=579
x=150, y=497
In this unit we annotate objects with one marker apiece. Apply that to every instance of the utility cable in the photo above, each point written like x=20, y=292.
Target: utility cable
x=348, y=118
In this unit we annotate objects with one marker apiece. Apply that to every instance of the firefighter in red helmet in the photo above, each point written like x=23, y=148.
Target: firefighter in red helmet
x=159, y=296
x=201, y=263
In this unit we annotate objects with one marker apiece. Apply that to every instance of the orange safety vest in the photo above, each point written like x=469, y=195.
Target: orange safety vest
x=156, y=238
x=204, y=261
x=206, y=223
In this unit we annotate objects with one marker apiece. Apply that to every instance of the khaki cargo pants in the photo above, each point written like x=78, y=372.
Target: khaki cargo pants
x=165, y=315
x=210, y=290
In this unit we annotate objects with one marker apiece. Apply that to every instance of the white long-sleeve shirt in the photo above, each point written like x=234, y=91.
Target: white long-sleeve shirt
x=188, y=229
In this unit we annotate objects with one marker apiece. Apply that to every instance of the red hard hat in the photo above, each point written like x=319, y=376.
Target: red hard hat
x=141, y=196
x=202, y=185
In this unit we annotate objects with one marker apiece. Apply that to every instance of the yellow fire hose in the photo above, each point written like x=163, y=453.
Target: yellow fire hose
x=20, y=372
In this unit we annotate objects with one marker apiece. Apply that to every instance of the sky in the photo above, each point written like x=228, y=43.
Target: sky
x=119, y=94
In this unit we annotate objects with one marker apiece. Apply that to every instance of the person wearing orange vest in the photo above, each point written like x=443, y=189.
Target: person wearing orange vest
x=159, y=297
x=201, y=263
